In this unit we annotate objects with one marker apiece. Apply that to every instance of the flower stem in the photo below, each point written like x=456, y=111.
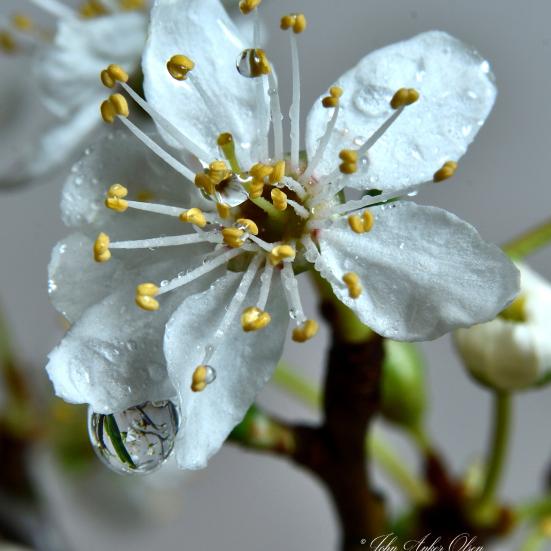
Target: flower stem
x=530, y=241
x=497, y=453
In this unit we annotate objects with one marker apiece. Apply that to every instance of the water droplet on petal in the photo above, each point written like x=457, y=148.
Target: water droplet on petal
x=293, y=313
x=137, y=440
x=164, y=283
x=210, y=375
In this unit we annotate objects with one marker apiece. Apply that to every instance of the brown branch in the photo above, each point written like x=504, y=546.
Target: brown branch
x=335, y=451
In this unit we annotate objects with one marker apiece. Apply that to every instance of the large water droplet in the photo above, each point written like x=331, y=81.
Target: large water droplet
x=137, y=440
x=250, y=63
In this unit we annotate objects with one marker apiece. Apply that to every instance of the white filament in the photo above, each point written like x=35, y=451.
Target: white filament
x=200, y=271
x=299, y=209
x=293, y=185
x=55, y=8
x=294, y=113
x=277, y=117
x=239, y=296
x=158, y=150
x=266, y=283
x=166, y=124
x=290, y=288
x=371, y=141
x=168, y=241
x=324, y=142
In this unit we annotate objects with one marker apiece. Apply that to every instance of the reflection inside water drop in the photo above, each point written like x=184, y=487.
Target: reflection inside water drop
x=137, y=440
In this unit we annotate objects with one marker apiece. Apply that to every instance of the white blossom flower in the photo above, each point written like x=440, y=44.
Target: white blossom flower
x=46, y=121
x=513, y=351
x=218, y=300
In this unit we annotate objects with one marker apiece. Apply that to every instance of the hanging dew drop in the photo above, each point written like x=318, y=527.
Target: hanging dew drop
x=137, y=440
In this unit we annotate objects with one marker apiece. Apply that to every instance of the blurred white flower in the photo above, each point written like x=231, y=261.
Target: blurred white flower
x=215, y=327
x=512, y=351
x=50, y=89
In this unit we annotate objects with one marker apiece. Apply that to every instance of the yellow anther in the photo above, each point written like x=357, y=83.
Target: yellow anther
x=260, y=171
x=93, y=8
x=350, y=161
x=256, y=62
x=295, y=21
x=356, y=223
x=306, y=331
x=368, y=220
x=101, y=248
x=113, y=74
x=223, y=210
x=179, y=66
x=233, y=237
x=144, y=296
x=204, y=182
x=361, y=224
x=300, y=23
x=22, y=22
x=115, y=106
x=352, y=281
x=254, y=319
x=278, y=173
x=226, y=144
x=447, y=171
x=199, y=378
x=256, y=188
x=280, y=253
x=117, y=190
x=116, y=203
x=403, y=97
x=279, y=199
x=287, y=21
x=247, y=6
x=7, y=42
x=194, y=216
x=218, y=171
x=332, y=100
x=131, y=5
x=248, y=225
x=348, y=155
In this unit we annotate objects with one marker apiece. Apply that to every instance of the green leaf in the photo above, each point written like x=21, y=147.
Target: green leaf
x=114, y=434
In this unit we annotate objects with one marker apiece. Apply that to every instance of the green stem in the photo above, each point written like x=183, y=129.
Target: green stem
x=534, y=542
x=6, y=350
x=498, y=450
x=414, y=488
x=534, y=509
x=530, y=241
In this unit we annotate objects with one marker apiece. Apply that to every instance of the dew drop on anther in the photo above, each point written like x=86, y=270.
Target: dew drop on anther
x=210, y=376
x=137, y=440
x=250, y=63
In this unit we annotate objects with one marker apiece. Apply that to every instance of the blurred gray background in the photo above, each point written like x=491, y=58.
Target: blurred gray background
x=248, y=502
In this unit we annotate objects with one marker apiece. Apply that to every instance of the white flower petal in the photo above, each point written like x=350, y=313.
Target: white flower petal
x=243, y=362
x=424, y=271
x=112, y=357
x=121, y=158
x=457, y=94
x=201, y=30
x=68, y=71
x=75, y=281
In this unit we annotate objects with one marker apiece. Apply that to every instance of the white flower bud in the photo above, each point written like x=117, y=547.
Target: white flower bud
x=513, y=351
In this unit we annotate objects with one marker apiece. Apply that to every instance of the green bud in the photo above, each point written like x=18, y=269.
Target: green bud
x=403, y=392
